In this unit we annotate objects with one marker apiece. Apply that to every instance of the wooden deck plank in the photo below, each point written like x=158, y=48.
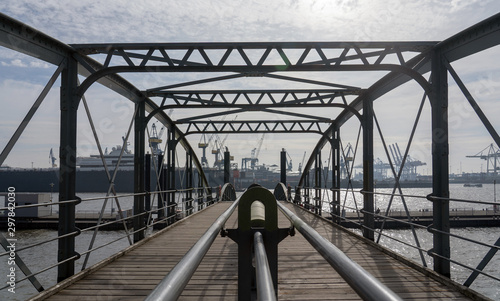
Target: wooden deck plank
x=303, y=274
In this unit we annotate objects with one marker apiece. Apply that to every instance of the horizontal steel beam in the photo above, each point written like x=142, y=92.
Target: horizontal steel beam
x=257, y=126
x=261, y=97
x=283, y=55
x=104, y=47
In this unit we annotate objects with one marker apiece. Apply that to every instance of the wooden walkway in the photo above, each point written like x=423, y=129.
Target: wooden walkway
x=303, y=273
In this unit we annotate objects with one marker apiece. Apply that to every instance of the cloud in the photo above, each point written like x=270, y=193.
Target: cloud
x=23, y=64
x=94, y=21
x=251, y=20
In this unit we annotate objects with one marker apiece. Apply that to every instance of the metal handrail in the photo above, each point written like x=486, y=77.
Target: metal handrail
x=265, y=287
x=365, y=285
x=77, y=201
x=170, y=288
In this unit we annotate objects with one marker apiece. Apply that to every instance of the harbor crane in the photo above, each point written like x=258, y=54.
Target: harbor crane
x=492, y=156
x=219, y=145
x=289, y=165
x=203, y=145
x=410, y=167
x=155, y=140
x=302, y=163
x=52, y=159
x=347, y=156
x=254, y=156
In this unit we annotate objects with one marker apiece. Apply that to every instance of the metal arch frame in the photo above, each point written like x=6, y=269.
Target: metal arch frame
x=25, y=39
x=378, y=89
x=150, y=107
x=249, y=69
x=472, y=40
x=432, y=57
x=405, y=70
x=22, y=38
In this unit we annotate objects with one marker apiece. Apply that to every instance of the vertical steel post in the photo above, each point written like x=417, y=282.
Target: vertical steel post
x=199, y=194
x=171, y=202
x=189, y=182
x=147, y=185
x=336, y=177
x=67, y=169
x=162, y=196
x=317, y=183
x=440, y=161
x=147, y=182
x=283, y=166
x=227, y=164
x=307, y=200
x=368, y=181
x=139, y=153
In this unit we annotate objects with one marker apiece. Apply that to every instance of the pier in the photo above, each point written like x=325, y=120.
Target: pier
x=302, y=273
x=192, y=240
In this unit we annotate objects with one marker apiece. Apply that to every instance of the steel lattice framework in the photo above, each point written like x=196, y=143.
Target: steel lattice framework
x=288, y=62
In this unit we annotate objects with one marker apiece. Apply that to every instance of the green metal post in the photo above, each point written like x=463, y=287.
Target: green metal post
x=67, y=169
x=440, y=163
x=283, y=166
x=335, y=208
x=227, y=164
x=317, y=184
x=171, y=201
x=368, y=181
x=139, y=158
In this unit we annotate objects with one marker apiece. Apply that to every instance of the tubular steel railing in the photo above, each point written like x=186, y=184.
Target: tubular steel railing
x=365, y=285
x=170, y=219
x=171, y=287
x=265, y=287
x=410, y=221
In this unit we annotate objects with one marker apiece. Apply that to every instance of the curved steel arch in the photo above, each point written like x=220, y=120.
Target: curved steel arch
x=23, y=38
x=395, y=70
x=378, y=89
x=474, y=39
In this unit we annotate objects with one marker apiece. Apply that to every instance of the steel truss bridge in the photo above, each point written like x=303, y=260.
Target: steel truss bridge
x=283, y=64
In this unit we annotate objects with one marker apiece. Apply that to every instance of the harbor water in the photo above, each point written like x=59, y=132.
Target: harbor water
x=40, y=257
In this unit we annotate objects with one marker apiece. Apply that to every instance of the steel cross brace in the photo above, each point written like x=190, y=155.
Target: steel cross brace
x=269, y=126
x=252, y=54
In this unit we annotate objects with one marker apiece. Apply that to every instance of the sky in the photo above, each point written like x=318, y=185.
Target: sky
x=90, y=21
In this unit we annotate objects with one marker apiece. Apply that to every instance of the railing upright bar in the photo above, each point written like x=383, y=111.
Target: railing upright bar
x=265, y=287
x=365, y=285
x=171, y=287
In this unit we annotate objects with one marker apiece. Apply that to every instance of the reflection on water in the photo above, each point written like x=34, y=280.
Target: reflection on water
x=462, y=251
x=45, y=255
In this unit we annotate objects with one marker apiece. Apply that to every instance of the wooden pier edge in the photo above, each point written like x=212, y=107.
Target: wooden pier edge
x=78, y=276
x=466, y=291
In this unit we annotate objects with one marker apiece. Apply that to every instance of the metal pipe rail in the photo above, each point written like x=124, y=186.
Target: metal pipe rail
x=265, y=287
x=365, y=285
x=171, y=287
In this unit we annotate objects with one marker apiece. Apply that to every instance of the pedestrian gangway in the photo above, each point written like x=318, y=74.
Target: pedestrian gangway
x=302, y=273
